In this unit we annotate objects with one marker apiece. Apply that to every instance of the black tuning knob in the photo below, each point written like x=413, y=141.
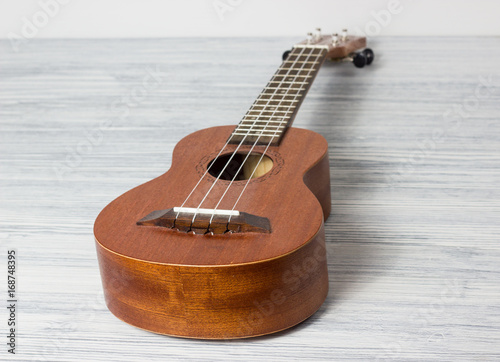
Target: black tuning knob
x=359, y=60
x=285, y=54
x=369, y=56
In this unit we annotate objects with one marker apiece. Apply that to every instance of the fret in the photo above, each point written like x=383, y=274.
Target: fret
x=280, y=91
x=270, y=117
x=275, y=81
x=300, y=58
x=300, y=61
x=257, y=116
x=267, y=114
x=315, y=50
x=274, y=98
x=260, y=114
x=278, y=129
x=280, y=124
x=275, y=102
x=303, y=52
x=260, y=136
x=261, y=109
x=265, y=122
x=298, y=69
x=286, y=72
x=285, y=90
x=265, y=128
x=262, y=123
x=277, y=97
x=271, y=104
x=291, y=77
x=256, y=134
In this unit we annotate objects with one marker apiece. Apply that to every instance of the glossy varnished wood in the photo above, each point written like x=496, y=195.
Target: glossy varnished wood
x=217, y=302
x=288, y=203
x=209, y=286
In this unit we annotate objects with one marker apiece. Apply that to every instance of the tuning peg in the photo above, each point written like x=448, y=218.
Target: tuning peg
x=335, y=39
x=309, y=38
x=359, y=60
x=317, y=36
x=369, y=55
x=344, y=34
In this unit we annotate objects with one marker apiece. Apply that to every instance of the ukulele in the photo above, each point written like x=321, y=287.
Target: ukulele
x=230, y=243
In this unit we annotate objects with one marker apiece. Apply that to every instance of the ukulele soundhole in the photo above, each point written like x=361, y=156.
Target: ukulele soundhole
x=242, y=166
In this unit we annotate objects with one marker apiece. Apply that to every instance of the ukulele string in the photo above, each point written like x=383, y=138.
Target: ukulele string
x=284, y=76
x=233, y=154
x=213, y=162
x=202, y=177
x=321, y=53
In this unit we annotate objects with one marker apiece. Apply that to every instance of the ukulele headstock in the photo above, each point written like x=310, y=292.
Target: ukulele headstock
x=341, y=47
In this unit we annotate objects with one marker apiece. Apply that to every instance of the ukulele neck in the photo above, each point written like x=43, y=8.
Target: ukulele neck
x=274, y=110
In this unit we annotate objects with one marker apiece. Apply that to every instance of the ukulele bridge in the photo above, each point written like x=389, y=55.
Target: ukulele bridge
x=206, y=221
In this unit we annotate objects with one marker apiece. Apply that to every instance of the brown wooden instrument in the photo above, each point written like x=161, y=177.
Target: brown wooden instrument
x=229, y=243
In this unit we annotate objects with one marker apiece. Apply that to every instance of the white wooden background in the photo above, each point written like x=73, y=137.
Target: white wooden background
x=413, y=239
x=227, y=18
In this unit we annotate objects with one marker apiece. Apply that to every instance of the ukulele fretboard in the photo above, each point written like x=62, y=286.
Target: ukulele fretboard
x=275, y=108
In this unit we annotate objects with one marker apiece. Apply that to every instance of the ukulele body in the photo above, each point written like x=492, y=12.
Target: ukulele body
x=224, y=285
